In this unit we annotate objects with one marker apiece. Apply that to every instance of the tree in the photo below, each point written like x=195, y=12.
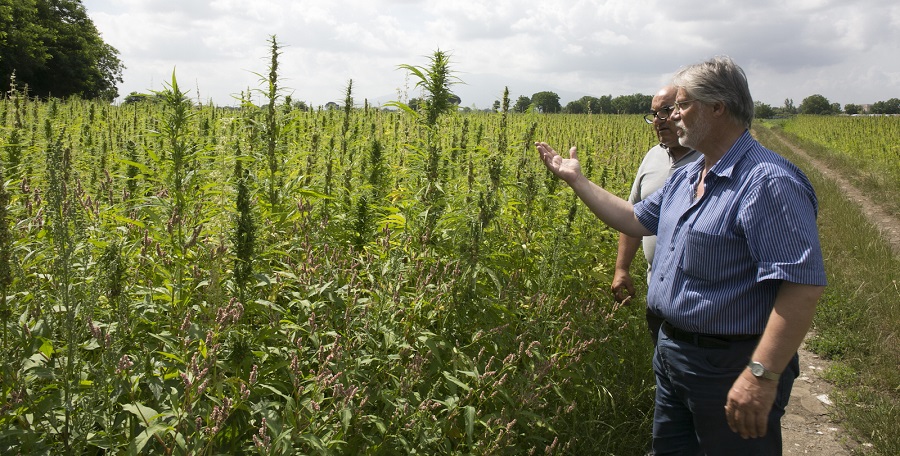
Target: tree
x=135, y=97
x=602, y=105
x=852, y=109
x=637, y=103
x=588, y=104
x=788, y=108
x=522, y=104
x=891, y=106
x=546, y=102
x=575, y=107
x=815, y=104
x=762, y=110
x=54, y=48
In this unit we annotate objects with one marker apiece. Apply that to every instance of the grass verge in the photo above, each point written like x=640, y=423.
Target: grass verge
x=856, y=321
x=880, y=184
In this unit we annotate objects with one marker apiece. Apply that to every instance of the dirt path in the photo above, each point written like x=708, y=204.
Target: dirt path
x=808, y=427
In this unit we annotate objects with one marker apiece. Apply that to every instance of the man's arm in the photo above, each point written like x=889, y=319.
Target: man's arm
x=612, y=210
x=750, y=399
x=622, y=284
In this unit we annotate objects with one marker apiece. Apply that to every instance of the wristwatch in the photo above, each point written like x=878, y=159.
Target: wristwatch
x=760, y=371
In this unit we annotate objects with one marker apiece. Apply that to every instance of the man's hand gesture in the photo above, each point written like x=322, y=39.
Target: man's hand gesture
x=567, y=169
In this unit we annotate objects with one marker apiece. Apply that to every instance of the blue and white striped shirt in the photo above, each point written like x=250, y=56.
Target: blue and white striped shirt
x=720, y=259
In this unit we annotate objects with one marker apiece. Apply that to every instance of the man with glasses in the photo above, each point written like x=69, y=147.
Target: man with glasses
x=737, y=271
x=658, y=164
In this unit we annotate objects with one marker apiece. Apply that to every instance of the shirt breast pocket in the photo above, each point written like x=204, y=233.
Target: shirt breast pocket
x=714, y=257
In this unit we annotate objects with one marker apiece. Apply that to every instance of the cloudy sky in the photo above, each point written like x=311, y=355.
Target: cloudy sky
x=848, y=51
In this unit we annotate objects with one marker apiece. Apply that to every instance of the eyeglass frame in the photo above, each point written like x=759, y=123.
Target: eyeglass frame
x=653, y=115
x=676, y=107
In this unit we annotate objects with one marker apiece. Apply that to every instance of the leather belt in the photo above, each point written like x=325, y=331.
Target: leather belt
x=704, y=340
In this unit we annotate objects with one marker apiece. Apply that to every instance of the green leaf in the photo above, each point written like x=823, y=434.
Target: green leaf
x=41, y=372
x=128, y=221
x=47, y=348
x=346, y=414
x=470, y=423
x=379, y=424
x=172, y=356
x=137, y=446
x=457, y=381
x=393, y=221
x=144, y=169
x=90, y=345
x=146, y=414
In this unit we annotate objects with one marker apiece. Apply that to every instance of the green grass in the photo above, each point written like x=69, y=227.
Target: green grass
x=856, y=321
x=864, y=150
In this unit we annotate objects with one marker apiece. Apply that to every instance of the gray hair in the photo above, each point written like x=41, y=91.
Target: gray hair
x=719, y=79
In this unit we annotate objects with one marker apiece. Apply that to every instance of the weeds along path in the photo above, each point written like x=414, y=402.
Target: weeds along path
x=808, y=426
x=888, y=225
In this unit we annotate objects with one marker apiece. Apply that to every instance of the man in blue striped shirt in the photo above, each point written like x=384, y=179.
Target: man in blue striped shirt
x=738, y=270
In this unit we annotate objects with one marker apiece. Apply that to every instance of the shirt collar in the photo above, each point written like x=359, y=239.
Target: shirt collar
x=686, y=158
x=725, y=166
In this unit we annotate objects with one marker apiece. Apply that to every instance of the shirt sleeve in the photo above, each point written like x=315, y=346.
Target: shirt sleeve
x=647, y=210
x=635, y=195
x=779, y=222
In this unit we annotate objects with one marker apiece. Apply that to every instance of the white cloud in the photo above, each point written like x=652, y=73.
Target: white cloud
x=845, y=51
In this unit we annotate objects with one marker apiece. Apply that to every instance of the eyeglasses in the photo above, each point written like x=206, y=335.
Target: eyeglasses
x=679, y=105
x=662, y=114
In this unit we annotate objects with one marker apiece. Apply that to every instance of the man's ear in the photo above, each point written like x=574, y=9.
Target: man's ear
x=719, y=109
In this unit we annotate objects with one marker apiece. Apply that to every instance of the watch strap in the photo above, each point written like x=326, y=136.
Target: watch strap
x=760, y=371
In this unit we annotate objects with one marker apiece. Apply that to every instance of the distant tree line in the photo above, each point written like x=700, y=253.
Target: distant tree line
x=819, y=105
x=53, y=48
x=548, y=102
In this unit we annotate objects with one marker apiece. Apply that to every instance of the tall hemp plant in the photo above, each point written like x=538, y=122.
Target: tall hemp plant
x=272, y=127
x=175, y=130
x=67, y=291
x=244, y=235
x=435, y=81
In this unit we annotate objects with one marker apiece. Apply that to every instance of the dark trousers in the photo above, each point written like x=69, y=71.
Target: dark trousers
x=692, y=384
x=654, y=322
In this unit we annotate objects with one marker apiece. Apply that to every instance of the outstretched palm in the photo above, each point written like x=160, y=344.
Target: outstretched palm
x=567, y=169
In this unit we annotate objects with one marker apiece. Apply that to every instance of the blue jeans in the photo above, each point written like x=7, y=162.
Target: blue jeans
x=692, y=385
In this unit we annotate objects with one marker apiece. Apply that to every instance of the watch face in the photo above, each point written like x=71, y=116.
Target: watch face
x=757, y=369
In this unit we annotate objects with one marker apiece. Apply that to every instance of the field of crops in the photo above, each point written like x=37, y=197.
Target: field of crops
x=869, y=144
x=186, y=279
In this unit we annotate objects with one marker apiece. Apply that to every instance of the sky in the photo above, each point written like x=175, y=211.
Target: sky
x=847, y=51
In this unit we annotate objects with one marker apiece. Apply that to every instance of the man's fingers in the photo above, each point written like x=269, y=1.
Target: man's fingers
x=622, y=295
x=573, y=152
x=750, y=425
x=729, y=417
